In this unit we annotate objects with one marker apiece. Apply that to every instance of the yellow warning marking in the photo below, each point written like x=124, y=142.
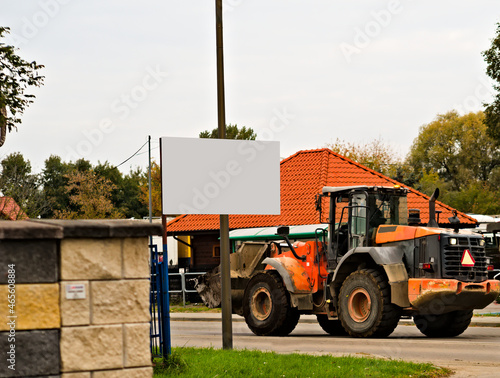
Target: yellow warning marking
x=467, y=259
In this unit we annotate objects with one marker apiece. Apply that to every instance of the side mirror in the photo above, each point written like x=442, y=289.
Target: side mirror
x=283, y=231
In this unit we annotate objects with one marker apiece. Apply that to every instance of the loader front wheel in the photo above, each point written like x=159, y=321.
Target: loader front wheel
x=266, y=306
x=365, y=308
x=450, y=324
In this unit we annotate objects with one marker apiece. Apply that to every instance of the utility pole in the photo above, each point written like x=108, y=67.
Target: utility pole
x=227, y=331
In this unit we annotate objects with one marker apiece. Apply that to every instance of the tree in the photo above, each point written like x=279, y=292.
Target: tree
x=16, y=75
x=54, y=184
x=155, y=189
x=232, y=132
x=457, y=148
x=91, y=194
x=376, y=155
x=456, y=154
x=126, y=195
x=17, y=181
x=492, y=111
x=55, y=180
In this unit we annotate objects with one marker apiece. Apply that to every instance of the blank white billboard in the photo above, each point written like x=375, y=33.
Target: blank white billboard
x=220, y=176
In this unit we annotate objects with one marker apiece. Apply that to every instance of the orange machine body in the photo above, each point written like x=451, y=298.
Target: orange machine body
x=308, y=276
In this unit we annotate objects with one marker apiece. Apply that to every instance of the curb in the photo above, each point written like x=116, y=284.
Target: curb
x=310, y=319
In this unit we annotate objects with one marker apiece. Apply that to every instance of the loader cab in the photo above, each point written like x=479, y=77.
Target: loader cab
x=356, y=212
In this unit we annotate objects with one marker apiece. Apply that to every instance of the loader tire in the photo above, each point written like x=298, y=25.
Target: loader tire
x=266, y=306
x=450, y=324
x=291, y=321
x=365, y=308
x=332, y=327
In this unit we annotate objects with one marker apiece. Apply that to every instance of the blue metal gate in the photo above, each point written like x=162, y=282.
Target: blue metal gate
x=159, y=305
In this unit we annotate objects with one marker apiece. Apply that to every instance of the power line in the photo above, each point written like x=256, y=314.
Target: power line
x=145, y=152
x=132, y=155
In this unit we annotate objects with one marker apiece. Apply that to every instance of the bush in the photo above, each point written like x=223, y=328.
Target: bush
x=172, y=364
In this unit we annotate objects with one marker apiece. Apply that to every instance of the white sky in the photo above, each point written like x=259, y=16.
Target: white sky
x=299, y=72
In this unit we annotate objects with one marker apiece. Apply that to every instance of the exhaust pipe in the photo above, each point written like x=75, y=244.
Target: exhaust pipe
x=432, y=209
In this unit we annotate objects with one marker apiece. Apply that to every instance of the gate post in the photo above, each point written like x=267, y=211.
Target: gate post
x=165, y=308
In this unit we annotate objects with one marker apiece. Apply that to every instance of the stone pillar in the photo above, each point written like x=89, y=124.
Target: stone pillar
x=80, y=293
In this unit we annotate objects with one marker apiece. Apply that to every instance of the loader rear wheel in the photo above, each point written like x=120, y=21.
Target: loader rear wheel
x=365, y=308
x=332, y=327
x=266, y=306
x=450, y=324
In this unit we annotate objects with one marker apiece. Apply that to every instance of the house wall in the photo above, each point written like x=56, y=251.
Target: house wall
x=203, y=252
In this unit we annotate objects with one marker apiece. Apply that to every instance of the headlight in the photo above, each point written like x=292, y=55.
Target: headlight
x=481, y=242
x=453, y=241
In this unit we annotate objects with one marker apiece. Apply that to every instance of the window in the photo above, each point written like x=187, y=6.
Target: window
x=216, y=251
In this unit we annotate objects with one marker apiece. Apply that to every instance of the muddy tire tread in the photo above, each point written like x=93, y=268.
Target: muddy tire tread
x=280, y=312
x=444, y=325
x=388, y=318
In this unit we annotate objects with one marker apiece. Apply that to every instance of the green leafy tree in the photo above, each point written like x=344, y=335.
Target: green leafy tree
x=55, y=179
x=232, y=132
x=457, y=148
x=91, y=194
x=131, y=187
x=17, y=181
x=16, y=75
x=456, y=154
x=54, y=184
x=126, y=195
x=492, y=111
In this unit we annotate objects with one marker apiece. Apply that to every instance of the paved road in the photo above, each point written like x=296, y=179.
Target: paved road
x=474, y=354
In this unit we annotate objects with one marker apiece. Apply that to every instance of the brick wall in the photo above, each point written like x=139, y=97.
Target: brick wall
x=81, y=298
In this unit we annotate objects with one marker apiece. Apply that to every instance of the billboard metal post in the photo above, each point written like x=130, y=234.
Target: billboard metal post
x=227, y=332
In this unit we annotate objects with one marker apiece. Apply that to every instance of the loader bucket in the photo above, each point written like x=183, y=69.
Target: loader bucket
x=244, y=264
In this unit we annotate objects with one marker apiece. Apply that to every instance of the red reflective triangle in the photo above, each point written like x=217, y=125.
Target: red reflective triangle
x=467, y=259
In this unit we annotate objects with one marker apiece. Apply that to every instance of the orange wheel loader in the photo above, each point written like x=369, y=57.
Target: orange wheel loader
x=367, y=268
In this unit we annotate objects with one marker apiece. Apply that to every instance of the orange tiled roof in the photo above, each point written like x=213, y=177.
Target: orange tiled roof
x=303, y=175
x=10, y=210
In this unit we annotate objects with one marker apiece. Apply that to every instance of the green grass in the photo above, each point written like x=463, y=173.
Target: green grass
x=193, y=308
x=208, y=362
x=493, y=314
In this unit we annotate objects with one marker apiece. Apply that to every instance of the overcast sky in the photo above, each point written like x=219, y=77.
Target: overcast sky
x=300, y=72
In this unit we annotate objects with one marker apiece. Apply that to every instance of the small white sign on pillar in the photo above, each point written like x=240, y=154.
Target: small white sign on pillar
x=75, y=291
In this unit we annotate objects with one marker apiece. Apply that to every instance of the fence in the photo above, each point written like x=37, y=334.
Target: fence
x=184, y=286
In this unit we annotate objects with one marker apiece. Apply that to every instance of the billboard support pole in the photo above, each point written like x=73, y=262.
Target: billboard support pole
x=227, y=332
